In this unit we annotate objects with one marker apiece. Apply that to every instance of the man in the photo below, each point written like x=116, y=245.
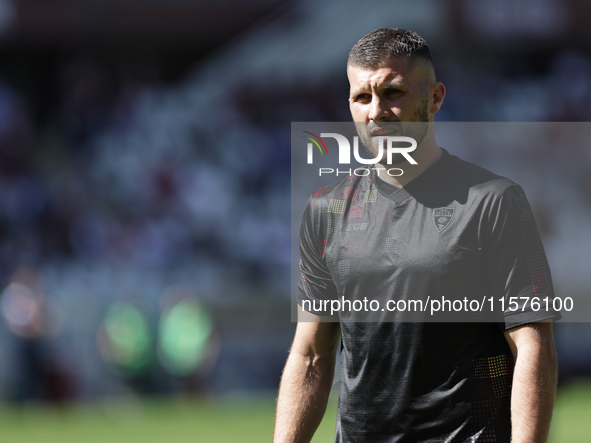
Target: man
x=444, y=228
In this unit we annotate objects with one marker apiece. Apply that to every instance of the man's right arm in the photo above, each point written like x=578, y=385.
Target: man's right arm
x=306, y=381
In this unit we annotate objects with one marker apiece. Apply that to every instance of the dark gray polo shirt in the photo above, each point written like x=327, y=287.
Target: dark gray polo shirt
x=456, y=232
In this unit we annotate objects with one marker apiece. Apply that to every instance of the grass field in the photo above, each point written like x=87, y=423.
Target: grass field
x=238, y=421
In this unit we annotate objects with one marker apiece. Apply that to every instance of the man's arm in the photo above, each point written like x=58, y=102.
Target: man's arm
x=534, y=381
x=306, y=381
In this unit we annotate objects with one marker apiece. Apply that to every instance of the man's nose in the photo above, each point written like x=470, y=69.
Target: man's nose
x=378, y=109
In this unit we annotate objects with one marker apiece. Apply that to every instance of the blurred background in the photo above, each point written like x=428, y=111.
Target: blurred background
x=145, y=175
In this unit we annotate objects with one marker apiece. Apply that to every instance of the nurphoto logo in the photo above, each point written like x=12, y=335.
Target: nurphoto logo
x=390, y=145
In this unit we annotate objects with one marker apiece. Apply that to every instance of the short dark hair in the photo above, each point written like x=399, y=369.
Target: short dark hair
x=383, y=44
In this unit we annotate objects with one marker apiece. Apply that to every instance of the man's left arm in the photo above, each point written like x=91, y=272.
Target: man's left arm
x=534, y=381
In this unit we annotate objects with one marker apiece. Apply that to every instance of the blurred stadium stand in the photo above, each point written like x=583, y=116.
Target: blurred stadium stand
x=145, y=144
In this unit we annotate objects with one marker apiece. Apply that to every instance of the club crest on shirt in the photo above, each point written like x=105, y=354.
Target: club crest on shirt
x=442, y=217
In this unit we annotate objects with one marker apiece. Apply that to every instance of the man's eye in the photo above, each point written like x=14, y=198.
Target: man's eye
x=390, y=92
x=362, y=97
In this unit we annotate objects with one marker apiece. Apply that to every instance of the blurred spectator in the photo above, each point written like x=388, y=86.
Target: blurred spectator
x=33, y=320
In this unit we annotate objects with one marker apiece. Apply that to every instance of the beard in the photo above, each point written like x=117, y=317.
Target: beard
x=416, y=128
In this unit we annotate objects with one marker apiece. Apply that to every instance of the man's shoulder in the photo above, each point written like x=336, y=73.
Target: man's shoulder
x=347, y=188
x=334, y=200
x=480, y=180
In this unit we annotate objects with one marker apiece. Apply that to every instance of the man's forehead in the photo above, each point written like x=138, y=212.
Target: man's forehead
x=397, y=70
x=382, y=76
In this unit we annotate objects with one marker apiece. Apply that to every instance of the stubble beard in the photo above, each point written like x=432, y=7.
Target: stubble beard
x=416, y=128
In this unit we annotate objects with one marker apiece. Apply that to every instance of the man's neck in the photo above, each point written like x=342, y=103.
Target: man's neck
x=425, y=156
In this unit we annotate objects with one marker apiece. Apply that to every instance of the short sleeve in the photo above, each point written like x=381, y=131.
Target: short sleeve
x=517, y=267
x=316, y=285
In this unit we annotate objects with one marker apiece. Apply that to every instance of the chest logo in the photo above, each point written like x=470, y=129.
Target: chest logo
x=442, y=217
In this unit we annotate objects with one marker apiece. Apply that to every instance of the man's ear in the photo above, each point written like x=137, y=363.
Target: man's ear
x=438, y=96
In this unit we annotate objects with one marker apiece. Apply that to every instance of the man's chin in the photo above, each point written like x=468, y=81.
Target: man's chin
x=396, y=161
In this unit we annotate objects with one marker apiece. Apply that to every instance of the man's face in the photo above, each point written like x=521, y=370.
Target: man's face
x=393, y=99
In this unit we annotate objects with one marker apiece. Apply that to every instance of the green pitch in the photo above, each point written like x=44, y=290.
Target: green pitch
x=241, y=420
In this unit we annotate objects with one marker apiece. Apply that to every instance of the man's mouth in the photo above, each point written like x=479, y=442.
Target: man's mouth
x=382, y=131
